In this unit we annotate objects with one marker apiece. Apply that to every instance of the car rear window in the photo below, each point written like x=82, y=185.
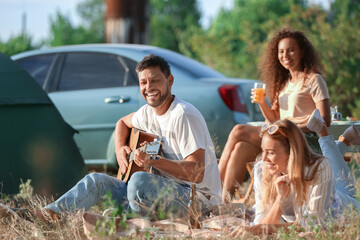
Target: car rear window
x=88, y=70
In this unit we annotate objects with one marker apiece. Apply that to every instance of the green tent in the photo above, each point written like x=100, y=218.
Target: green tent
x=35, y=141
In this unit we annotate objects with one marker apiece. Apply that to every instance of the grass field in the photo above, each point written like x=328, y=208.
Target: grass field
x=71, y=225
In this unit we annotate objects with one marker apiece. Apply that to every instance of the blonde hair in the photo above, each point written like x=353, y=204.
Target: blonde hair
x=300, y=156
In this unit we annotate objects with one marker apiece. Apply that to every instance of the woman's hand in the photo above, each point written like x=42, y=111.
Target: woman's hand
x=283, y=186
x=255, y=98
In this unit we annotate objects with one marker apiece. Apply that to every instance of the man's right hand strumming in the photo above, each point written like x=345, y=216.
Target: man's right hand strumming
x=121, y=156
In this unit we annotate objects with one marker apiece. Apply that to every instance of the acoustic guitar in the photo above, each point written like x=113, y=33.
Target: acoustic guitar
x=153, y=147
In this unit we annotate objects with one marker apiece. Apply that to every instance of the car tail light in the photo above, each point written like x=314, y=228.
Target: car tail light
x=232, y=99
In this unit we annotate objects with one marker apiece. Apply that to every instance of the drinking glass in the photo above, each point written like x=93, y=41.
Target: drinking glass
x=259, y=92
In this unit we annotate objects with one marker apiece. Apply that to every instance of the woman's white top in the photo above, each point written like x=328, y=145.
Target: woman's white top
x=321, y=197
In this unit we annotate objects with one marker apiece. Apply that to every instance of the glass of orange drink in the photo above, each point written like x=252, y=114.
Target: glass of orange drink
x=259, y=92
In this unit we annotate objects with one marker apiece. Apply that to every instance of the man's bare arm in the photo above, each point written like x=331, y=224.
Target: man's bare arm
x=191, y=169
x=122, y=131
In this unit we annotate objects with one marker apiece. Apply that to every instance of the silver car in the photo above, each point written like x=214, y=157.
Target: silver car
x=93, y=86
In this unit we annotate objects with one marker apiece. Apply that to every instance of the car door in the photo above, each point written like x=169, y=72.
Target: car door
x=92, y=92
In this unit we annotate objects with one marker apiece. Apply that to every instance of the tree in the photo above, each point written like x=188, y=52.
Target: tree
x=171, y=22
x=92, y=29
x=350, y=9
x=343, y=55
x=237, y=38
x=62, y=31
x=92, y=13
x=234, y=40
x=17, y=44
x=335, y=36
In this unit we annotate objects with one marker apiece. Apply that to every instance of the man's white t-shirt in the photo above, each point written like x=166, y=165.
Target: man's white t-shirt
x=184, y=131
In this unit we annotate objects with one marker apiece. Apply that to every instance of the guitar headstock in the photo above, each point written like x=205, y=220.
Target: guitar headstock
x=154, y=146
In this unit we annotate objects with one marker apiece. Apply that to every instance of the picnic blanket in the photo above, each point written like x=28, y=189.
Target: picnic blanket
x=221, y=221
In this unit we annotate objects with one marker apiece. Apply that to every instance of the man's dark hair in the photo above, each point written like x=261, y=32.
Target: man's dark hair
x=154, y=61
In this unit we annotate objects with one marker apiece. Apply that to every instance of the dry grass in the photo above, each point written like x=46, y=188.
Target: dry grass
x=71, y=224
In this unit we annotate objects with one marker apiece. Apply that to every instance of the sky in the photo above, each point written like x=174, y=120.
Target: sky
x=38, y=12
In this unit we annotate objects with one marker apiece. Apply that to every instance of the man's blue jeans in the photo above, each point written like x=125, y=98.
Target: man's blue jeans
x=145, y=194
x=89, y=191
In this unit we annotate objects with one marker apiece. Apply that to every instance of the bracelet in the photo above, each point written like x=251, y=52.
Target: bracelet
x=155, y=157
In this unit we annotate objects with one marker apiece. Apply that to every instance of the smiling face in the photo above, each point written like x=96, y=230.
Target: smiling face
x=155, y=87
x=290, y=54
x=274, y=155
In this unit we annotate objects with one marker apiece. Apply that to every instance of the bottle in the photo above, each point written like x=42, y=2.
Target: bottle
x=194, y=209
x=336, y=115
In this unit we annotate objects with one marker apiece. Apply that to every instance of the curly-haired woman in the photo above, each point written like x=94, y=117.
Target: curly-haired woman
x=291, y=69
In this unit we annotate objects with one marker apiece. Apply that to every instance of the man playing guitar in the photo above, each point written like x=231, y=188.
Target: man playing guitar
x=188, y=155
x=188, y=151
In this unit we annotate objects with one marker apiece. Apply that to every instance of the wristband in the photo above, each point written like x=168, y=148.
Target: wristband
x=155, y=157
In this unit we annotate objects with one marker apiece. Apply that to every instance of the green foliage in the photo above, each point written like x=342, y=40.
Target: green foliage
x=172, y=22
x=237, y=37
x=62, y=31
x=233, y=43
x=92, y=13
x=108, y=227
x=342, y=65
x=92, y=29
x=16, y=44
x=339, y=47
x=291, y=232
x=348, y=8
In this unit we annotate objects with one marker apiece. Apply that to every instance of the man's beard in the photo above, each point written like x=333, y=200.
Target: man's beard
x=161, y=99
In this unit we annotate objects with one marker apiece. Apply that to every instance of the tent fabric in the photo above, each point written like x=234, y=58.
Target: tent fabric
x=35, y=141
x=19, y=100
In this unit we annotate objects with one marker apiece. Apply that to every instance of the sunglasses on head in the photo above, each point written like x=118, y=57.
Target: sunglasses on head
x=271, y=129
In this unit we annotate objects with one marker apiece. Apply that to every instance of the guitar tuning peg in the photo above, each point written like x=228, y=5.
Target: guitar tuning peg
x=158, y=139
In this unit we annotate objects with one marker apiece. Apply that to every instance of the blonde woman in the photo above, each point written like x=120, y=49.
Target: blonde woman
x=295, y=185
